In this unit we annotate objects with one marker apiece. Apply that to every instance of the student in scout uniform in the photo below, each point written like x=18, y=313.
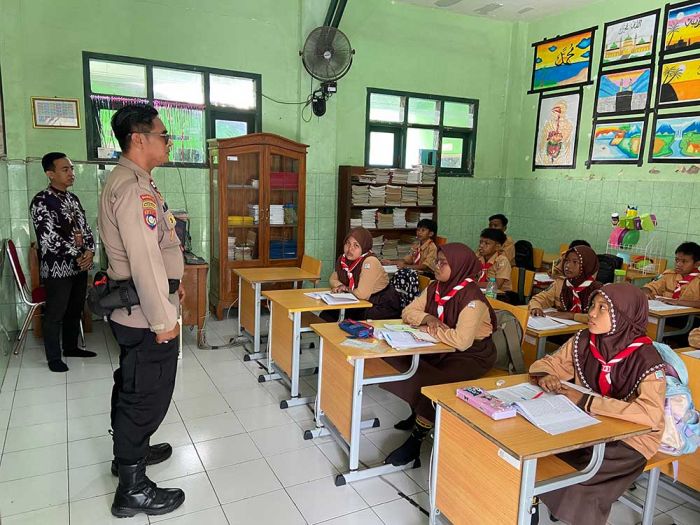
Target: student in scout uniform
x=570, y=294
x=138, y=232
x=681, y=285
x=360, y=272
x=500, y=222
x=633, y=390
x=452, y=309
x=694, y=338
x=423, y=252
x=558, y=264
x=493, y=262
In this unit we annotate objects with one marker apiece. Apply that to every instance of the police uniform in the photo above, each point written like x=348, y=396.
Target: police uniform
x=138, y=232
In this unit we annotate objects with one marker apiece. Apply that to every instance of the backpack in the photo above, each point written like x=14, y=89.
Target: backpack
x=682, y=422
x=608, y=264
x=507, y=339
x=405, y=281
x=523, y=255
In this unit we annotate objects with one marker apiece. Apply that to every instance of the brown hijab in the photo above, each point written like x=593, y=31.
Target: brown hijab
x=364, y=239
x=588, y=264
x=464, y=264
x=629, y=310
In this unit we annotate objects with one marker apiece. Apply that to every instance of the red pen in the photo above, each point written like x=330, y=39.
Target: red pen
x=538, y=394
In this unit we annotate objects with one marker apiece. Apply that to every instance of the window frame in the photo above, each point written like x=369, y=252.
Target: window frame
x=211, y=112
x=401, y=129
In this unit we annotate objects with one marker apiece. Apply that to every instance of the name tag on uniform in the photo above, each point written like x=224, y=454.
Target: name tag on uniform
x=366, y=266
x=472, y=304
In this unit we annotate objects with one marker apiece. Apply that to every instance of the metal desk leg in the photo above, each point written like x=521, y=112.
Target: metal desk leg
x=688, y=326
x=295, y=399
x=650, y=499
x=541, y=346
x=271, y=374
x=256, y=353
x=434, y=467
x=660, y=328
x=527, y=491
x=238, y=317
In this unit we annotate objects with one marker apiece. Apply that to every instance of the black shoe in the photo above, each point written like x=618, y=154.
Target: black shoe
x=137, y=494
x=156, y=454
x=406, y=424
x=77, y=352
x=57, y=365
x=409, y=451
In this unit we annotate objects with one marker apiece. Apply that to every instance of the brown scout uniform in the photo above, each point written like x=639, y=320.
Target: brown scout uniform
x=500, y=269
x=373, y=279
x=138, y=232
x=551, y=298
x=428, y=256
x=666, y=283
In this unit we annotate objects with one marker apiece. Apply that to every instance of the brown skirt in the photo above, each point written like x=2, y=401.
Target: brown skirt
x=589, y=503
x=439, y=369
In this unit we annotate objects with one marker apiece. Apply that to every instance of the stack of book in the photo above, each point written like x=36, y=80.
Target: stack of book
x=360, y=195
x=369, y=218
x=376, y=175
x=399, y=220
x=414, y=177
x=399, y=176
x=385, y=220
x=427, y=172
x=390, y=250
x=403, y=249
x=427, y=215
x=412, y=218
x=425, y=196
x=377, y=195
x=356, y=219
x=377, y=244
x=254, y=212
x=277, y=214
x=409, y=195
x=393, y=195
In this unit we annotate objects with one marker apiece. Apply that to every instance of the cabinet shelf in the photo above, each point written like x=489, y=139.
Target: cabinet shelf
x=241, y=186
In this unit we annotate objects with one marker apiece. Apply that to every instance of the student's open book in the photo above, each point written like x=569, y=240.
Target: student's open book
x=659, y=306
x=548, y=323
x=403, y=340
x=333, y=298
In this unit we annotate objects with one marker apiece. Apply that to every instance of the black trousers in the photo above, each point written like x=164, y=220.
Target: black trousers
x=65, y=299
x=143, y=388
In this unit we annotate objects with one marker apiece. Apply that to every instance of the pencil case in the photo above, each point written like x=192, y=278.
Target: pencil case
x=356, y=329
x=486, y=403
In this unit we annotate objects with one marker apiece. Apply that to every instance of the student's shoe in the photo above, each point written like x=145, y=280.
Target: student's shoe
x=156, y=454
x=535, y=516
x=137, y=494
x=77, y=352
x=409, y=451
x=56, y=365
x=406, y=424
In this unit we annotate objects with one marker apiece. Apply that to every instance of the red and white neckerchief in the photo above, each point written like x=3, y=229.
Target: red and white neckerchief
x=604, y=379
x=416, y=256
x=683, y=282
x=349, y=269
x=442, y=300
x=576, y=307
x=484, y=271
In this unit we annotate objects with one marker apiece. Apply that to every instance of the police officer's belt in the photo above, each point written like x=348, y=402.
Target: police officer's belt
x=107, y=294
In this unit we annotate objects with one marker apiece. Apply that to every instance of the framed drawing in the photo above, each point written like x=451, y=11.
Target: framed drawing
x=55, y=113
x=618, y=141
x=563, y=61
x=679, y=82
x=675, y=138
x=623, y=91
x=556, y=133
x=630, y=39
x=681, y=27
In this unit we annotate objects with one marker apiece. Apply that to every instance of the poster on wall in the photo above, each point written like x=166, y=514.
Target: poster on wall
x=679, y=82
x=675, y=138
x=623, y=91
x=630, y=39
x=681, y=27
x=556, y=136
x=563, y=61
x=618, y=141
x=55, y=113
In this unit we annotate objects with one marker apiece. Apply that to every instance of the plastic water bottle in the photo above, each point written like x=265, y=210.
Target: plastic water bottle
x=491, y=288
x=620, y=276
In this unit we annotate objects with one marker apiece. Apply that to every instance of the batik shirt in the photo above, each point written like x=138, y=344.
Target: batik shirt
x=59, y=221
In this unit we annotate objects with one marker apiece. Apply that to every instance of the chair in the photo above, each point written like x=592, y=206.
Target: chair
x=563, y=248
x=423, y=282
x=520, y=313
x=537, y=255
x=311, y=265
x=439, y=240
x=509, y=350
x=522, y=282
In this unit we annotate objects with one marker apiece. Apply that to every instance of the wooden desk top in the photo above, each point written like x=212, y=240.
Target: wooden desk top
x=517, y=435
x=268, y=275
x=564, y=330
x=674, y=313
x=297, y=301
x=334, y=335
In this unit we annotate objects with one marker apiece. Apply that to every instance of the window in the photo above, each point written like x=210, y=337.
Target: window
x=195, y=103
x=404, y=129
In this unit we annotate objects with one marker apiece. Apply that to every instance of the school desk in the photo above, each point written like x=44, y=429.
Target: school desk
x=249, y=298
x=291, y=314
x=535, y=342
x=656, y=328
x=492, y=469
x=344, y=371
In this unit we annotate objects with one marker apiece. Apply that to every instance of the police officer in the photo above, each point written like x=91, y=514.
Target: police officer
x=138, y=233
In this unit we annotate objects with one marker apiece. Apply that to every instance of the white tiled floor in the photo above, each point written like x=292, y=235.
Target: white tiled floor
x=240, y=459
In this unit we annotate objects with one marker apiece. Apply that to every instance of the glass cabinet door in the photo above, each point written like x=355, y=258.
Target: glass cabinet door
x=283, y=206
x=243, y=205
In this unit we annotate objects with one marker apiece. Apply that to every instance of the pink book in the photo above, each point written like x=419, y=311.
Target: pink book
x=486, y=403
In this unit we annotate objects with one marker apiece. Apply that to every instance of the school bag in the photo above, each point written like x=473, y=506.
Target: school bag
x=523, y=255
x=608, y=263
x=507, y=339
x=405, y=281
x=682, y=422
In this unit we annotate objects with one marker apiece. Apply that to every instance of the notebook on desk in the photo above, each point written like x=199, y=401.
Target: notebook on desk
x=333, y=298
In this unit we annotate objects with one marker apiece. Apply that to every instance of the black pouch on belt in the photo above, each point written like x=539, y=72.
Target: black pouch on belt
x=106, y=295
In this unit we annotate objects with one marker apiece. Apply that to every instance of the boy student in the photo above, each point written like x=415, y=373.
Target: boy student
x=424, y=252
x=558, y=265
x=500, y=222
x=493, y=262
x=681, y=285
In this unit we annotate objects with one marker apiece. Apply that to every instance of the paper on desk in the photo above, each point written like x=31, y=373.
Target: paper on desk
x=658, y=306
x=555, y=414
x=404, y=340
x=333, y=298
x=418, y=334
x=542, y=277
x=545, y=323
x=693, y=353
x=314, y=295
x=390, y=268
x=366, y=344
x=515, y=393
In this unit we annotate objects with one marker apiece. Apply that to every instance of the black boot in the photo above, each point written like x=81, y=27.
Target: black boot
x=156, y=454
x=410, y=450
x=136, y=493
x=408, y=423
x=535, y=516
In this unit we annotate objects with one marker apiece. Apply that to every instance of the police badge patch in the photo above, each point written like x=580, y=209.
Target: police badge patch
x=150, y=211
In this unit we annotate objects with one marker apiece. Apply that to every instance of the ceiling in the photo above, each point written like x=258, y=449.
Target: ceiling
x=510, y=10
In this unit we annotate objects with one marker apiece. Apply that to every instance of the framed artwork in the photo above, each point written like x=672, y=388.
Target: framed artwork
x=563, y=61
x=675, y=138
x=630, y=39
x=618, y=141
x=623, y=91
x=55, y=113
x=556, y=133
x=681, y=27
x=679, y=82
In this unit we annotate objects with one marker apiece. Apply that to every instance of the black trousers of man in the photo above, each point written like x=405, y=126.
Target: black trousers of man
x=143, y=388
x=65, y=299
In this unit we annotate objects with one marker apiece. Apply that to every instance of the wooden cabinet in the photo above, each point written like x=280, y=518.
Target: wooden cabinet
x=257, y=196
x=194, y=307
